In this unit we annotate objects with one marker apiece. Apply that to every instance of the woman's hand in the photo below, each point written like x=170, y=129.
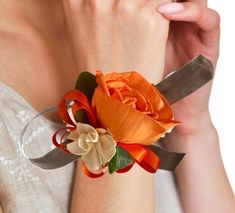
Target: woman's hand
x=118, y=35
x=195, y=29
x=200, y=176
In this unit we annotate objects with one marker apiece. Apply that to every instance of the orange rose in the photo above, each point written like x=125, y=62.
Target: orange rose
x=131, y=108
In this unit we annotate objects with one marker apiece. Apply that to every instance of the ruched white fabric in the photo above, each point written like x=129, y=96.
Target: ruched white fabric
x=25, y=188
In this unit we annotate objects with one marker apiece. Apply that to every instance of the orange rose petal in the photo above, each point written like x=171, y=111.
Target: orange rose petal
x=134, y=80
x=168, y=124
x=166, y=111
x=101, y=81
x=125, y=123
x=140, y=100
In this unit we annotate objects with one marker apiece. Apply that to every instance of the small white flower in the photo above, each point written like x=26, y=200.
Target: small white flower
x=97, y=146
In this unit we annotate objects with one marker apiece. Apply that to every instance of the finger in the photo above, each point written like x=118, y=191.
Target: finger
x=204, y=2
x=206, y=18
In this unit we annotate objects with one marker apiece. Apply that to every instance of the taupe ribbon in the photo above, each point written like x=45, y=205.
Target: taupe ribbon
x=174, y=87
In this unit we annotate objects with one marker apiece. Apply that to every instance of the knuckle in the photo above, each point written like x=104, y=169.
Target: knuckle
x=96, y=7
x=217, y=17
x=149, y=19
x=132, y=11
x=153, y=22
x=143, y=16
x=126, y=7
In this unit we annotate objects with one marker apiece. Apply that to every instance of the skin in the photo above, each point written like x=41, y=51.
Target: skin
x=30, y=33
x=30, y=36
x=201, y=178
x=110, y=39
x=196, y=30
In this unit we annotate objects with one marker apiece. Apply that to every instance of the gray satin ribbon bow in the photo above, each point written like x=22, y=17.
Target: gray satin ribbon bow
x=174, y=87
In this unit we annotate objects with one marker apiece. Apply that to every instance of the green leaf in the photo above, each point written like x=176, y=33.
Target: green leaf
x=120, y=160
x=86, y=83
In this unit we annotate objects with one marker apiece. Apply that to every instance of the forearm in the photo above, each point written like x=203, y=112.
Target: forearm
x=201, y=178
x=129, y=192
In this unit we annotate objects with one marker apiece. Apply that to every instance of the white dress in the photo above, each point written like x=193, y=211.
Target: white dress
x=25, y=188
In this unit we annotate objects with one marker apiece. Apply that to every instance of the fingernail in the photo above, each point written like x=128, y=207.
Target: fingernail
x=171, y=8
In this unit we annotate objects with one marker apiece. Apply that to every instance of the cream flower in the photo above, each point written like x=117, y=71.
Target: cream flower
x=97, y=146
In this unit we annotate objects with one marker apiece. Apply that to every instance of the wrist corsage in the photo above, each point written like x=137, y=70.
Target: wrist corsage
x=114, y=120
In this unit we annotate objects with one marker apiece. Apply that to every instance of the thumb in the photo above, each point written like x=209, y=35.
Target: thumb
x=206, y=18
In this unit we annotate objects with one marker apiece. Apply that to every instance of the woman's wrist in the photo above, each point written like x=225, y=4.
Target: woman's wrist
x=110, y=45
x=194, y=124
x=199, y=131
x=200, y=176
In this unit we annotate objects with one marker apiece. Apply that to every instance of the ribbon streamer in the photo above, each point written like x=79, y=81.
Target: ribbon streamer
x=186, y=80
x=21, y=143
x=143, y=156
x=174, y=87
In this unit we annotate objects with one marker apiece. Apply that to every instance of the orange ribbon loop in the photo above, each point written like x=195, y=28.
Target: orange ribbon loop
x=80, y=102
x=126, y=169
x=143, y=156
x=64, y=132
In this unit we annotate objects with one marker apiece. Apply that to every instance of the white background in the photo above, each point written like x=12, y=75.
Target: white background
x=222, y=101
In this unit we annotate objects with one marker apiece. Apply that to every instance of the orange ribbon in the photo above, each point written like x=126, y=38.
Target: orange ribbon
x=80, y=102
x=61, y=145
x=141, y=155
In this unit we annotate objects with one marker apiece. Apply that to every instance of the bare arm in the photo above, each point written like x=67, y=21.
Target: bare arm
x=129, y=192
x=202, y=181
x=116, y=35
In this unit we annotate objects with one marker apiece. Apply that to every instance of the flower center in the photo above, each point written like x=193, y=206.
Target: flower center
x=92, y=137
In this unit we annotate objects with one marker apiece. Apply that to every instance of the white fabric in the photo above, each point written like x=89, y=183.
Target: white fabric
x=25, y=188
